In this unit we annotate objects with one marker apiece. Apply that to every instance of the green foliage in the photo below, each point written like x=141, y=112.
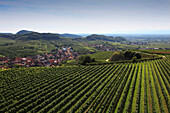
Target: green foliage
x=114, y=57
x=83, y=59
x=93, y=60
x=138, y=55
x=128, y=54
x=125, y=55
x=134, y=59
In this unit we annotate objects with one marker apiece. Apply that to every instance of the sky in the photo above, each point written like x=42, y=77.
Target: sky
x=86, y=16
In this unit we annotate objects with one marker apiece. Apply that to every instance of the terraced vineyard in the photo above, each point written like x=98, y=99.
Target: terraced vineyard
x=139, y=87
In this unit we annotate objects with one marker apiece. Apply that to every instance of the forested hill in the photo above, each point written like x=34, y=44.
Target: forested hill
x=104, y=38
x=31, y=36
x=70, y=35
x=24, y=32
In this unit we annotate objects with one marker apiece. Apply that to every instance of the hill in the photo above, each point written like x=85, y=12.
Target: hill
x=31, y=36
x=37, y=36
x=71, y=35
x=132, y=87
x=37, y=43
x=24, y=32
x=104, y=38
x=129, y=55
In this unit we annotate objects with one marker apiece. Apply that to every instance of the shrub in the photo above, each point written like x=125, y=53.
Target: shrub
x=85, y=59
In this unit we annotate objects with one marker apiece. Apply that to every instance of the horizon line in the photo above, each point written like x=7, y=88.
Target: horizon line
x=117, y=32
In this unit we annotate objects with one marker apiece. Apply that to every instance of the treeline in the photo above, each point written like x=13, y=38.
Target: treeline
x=125, y=55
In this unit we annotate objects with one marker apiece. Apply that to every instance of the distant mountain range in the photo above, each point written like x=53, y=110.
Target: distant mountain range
x=103, y=36
x=30, y=35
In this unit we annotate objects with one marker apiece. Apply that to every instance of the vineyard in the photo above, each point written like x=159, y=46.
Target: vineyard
x=102, y=55
x=131, y=87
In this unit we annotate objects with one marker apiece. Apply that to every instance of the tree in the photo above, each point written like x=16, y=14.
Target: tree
x=134, y=59
x=129, y=54
x=93, y=60
x=138, y=55
x=84, y=59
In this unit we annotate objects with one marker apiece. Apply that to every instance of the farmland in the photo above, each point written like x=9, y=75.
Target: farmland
x=128, y=87
x=102, y=55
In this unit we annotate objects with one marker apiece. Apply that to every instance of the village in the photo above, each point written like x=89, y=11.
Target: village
x=55, y=58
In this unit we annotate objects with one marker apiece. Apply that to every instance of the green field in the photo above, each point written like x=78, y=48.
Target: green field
x=102, y=55
x=131, y=87
x=152, y=45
